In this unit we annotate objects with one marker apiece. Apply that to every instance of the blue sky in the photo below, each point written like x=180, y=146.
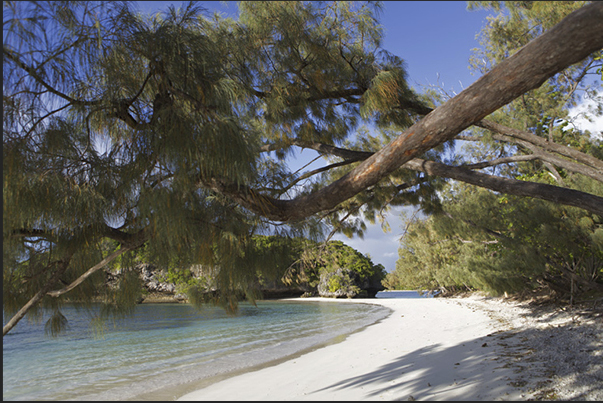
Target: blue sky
x=435, y=39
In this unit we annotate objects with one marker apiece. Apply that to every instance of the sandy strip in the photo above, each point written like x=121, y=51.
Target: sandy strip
x=427, y=349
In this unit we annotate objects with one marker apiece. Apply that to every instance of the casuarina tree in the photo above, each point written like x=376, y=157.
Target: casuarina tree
x=173, y=132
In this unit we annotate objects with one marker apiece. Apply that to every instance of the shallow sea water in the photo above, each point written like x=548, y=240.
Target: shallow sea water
x=166, y=345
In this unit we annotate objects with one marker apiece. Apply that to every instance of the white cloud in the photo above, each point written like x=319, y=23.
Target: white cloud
x=588, y=107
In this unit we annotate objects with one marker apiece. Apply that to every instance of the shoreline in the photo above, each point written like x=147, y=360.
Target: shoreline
x=174, y=391
x=427, y=348
x=454, y=348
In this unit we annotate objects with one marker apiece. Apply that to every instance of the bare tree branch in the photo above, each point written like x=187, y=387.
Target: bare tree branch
x=546, y=157
x=9, y=54
x=570, y=41
x=516, y=187
x=61, y=267
x=498, y=161
x=89, y=272
x=546, y=145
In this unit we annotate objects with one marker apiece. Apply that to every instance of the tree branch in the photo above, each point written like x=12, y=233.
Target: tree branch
x=62, y=266
x=498, y=161
x=570, y=41
x=315, y=172
x=89, y=272
x=545, y=144
x=542, y=191
x=584, y=169
x=32, y=72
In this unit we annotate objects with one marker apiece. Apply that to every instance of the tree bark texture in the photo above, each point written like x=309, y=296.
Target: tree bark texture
x=569, y=197
x=570, y=41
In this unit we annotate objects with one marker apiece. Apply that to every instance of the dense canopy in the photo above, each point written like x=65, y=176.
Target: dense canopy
x=174, y=131
x=482, y=240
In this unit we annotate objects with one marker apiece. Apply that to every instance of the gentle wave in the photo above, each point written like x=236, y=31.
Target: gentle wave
x=164, y=345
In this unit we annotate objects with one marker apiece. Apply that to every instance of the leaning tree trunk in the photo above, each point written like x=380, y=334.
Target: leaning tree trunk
x=62, y=266
x=573, y=39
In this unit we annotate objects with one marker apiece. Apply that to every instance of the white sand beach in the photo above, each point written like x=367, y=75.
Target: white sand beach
x=434, y=349
x=473, y=348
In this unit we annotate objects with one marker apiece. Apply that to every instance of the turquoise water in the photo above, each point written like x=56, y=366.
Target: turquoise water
x=165, y=345
x=406, y=294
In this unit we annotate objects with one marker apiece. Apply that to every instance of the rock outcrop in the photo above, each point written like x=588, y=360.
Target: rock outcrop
x=155, y=288
x=347, y=283
x=341, y=283
x=150, y=275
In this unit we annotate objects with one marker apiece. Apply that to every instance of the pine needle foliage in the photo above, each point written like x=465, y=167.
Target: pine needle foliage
x=478, y=239
x=500, y=244
x=119, y=128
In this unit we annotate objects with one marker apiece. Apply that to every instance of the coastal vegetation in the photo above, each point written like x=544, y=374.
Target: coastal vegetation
x=501, y=244
x=479, y=240
x=285, y=267
x=175, y=133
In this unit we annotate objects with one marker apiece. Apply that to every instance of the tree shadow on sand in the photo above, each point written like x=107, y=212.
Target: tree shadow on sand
x=486, y=368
